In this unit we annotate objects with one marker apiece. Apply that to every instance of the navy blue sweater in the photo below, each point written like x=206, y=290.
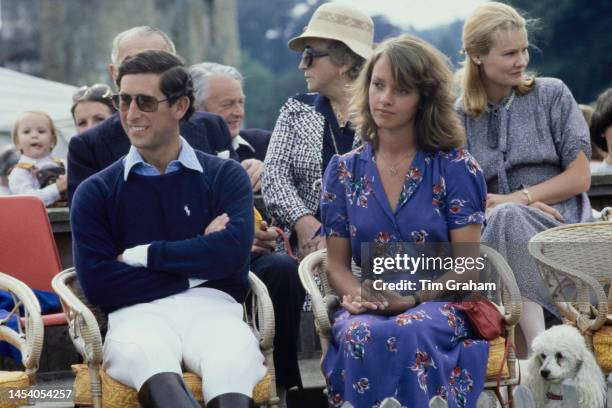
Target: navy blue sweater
x=171, y=212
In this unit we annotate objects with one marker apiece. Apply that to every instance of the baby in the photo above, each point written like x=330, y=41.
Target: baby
x=37, y=172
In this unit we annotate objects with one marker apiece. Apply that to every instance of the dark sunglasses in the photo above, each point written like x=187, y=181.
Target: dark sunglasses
x=308, y=56
x=145, y=103
x=96, y=91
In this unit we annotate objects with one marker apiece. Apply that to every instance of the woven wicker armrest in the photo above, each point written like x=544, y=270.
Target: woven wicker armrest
x=314, y=265
x=30, y=329
x=82, y=324
x=262, y=313
x=511, y=296
x=585, y=285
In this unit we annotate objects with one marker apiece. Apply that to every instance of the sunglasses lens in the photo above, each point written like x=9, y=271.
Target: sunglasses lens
x=115, y=99
x=146, y=103
x=307, y=57
x=79, y=93
x=100, y=91
x=122, y=101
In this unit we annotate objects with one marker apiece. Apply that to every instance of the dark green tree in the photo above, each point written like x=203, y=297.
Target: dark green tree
x=574, y=43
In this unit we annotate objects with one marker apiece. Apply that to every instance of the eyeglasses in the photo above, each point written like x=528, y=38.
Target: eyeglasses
x=145, y=103
x=308, y=56
x=96, y=91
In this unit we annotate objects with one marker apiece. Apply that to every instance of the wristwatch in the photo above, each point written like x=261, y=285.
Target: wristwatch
x=528, y=195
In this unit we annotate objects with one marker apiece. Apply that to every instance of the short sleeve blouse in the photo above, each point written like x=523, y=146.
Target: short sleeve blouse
x=442, y=191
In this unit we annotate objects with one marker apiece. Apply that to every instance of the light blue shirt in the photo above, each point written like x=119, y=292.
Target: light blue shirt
x=133, y=161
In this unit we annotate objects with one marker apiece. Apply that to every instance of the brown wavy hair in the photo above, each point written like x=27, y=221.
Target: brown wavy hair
x=602, y=119
x=418, y=65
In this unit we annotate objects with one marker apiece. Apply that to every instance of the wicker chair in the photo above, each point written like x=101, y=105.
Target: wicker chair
x=87, y=325
x=28, y=338
x=29, y=252
x=313, y=268
x=576, y=262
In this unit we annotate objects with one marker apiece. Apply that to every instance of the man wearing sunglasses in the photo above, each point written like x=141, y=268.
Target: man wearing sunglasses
x=161, y=243
x=99, y=147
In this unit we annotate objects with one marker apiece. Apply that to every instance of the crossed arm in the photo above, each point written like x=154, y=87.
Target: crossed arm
x=219, y=251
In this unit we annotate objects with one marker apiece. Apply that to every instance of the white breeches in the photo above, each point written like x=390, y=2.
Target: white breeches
x=200, y=329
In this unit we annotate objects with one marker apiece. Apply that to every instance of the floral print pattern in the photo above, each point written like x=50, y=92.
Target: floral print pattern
x=427, y=349
x=439, y=196
x=460, y=383
x=392, y=344
x=462, y=155
x=356, y=337
x=421, y=364
x=419, y=237
x=407, y=318
x=455, y=322
x=362, y=385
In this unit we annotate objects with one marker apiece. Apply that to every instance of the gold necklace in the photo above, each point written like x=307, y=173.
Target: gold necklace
x=393, y=168
x=339, y=115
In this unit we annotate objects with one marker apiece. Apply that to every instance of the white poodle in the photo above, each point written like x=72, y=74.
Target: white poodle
x=560, y=354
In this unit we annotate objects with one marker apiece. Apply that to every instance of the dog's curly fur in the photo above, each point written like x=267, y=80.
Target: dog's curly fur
x=560, y=353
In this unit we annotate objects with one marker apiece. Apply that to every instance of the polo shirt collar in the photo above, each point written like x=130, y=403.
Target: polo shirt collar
x=187, y=158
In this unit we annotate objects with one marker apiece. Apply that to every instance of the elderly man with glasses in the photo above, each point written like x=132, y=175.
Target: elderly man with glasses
x=162, y=240
x=218, y=89
x=102, y=145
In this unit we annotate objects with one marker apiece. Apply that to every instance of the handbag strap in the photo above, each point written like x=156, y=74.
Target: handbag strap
x=285, y=239
x=507, y=348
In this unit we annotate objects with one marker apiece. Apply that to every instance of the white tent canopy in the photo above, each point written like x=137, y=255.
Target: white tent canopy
x=20, y=92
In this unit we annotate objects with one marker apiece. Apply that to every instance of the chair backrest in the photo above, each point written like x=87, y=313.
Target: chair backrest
x=27, y=247
x=585, y=248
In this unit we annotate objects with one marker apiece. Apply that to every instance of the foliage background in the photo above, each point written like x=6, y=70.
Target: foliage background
x=572, y=42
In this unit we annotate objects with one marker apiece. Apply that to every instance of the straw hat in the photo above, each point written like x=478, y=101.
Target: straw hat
x=333, y=21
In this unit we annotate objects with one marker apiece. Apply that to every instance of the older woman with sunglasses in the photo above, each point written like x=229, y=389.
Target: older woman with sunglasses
x=91, y=105
x=311, y=128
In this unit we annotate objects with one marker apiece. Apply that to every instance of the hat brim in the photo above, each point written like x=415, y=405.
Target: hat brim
x=298, y=43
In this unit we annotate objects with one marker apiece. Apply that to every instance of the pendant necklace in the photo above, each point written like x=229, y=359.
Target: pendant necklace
x=393, y=168
x=339, y=116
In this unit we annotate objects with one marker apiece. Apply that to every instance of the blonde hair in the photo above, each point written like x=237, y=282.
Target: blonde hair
x=52, y=127
x=478, y=39
x=415, y=64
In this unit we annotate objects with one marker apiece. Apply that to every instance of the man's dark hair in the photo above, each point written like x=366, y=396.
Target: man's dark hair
x=174, y=78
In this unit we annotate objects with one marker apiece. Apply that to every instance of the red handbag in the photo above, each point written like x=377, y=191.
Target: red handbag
x=486, y=320
x=488, y=323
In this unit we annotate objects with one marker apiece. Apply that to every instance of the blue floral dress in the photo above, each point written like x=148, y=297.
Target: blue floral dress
x=427, y=350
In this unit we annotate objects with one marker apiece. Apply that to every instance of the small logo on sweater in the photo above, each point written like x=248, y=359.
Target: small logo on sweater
x=187, y=211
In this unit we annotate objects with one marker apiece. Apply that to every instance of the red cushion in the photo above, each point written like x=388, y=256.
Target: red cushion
x=54, y=319
x=26, y=241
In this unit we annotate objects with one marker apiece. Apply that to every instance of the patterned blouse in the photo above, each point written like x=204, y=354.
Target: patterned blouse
x=442, y=191
x=526, y=140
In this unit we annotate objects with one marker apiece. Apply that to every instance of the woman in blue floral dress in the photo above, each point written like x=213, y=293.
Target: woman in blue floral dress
x=409, y=182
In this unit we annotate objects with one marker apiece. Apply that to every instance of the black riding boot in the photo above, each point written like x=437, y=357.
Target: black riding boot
x=231, y=400
x=165, y=390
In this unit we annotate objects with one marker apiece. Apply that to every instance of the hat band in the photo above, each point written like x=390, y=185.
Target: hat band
x=345, y=21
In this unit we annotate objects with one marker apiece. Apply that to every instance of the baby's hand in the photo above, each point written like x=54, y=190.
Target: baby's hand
x=62, y=183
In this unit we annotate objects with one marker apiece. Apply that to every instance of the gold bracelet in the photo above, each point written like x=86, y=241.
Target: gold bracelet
x=526, y=193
